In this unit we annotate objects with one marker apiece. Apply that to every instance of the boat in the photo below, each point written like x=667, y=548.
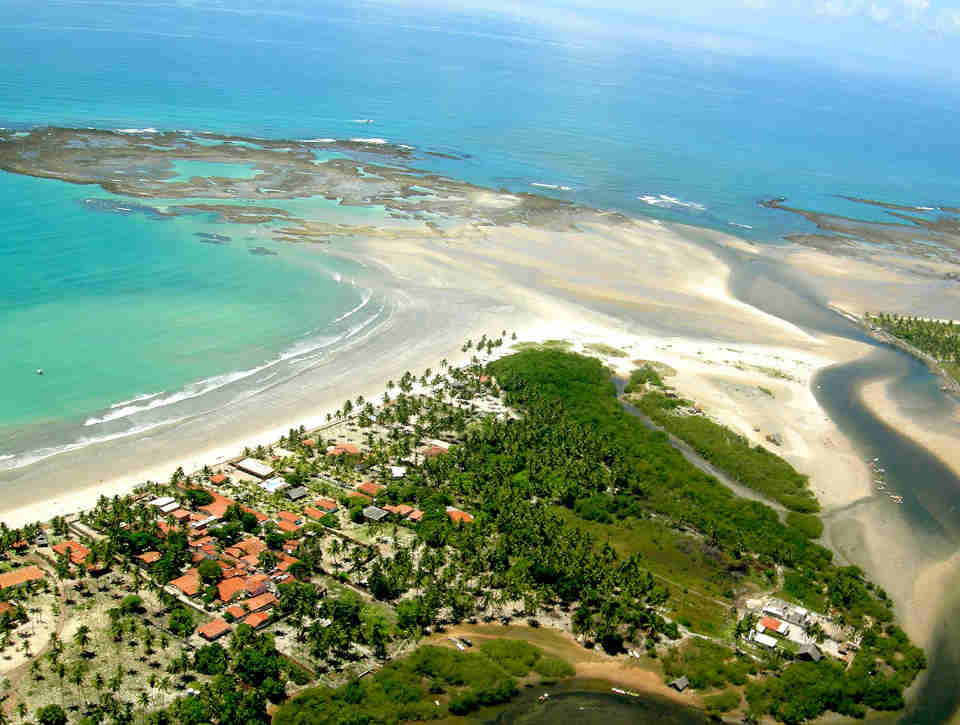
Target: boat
x=896, y=499
x=39, y=371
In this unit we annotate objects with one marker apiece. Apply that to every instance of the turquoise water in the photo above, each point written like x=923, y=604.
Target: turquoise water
x=133, y=319
x=114, y=305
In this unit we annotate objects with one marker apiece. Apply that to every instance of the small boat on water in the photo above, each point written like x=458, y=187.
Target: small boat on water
x=39, y=371
x=896, y=499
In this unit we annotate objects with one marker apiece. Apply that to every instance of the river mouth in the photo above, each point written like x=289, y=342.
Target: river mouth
x=928, y=521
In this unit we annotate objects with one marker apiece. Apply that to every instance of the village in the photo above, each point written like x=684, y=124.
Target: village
x=124, y=597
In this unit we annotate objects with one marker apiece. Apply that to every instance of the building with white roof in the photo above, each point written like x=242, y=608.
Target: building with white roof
x=255, y=467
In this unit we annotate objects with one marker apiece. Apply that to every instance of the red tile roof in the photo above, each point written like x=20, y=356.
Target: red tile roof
x=264, y=601
x=256, y=583
x=256, y=514
x=24, y=574
x=217, y=478
x=149, y=557
x=288, y=516
x=457, y=516
x=213, y=629
x=75, y=550
x=357, y=494
x=286, y=562
x=432, y=451
x=370, y=488
x=229, y=588
x=415, y=515
x=314, y=513
x=327, y=504
x=180, y=514
x=344, y=448
x=257, y=619
x=309, y=442
x=770, y=623
x=189, y=584
x=287, y=527
x=219, y=505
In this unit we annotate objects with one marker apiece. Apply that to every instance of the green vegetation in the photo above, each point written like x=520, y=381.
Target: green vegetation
x=721, y=703
x=809, y=524
x=940, y=340
x=754, y=466
x=545, y=345
x=708, y=665
x=405, y=689
x=640, y=377
x=603, y=349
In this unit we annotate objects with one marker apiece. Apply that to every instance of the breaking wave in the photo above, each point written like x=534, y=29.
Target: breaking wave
x=666, y=201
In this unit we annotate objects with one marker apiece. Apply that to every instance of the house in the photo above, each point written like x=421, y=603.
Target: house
x=256, y=584
x=291, y=545
x=370, y=489
x=359, y=496
x=229, y=589
x=764, y=639
x=260, y=603
x=214, y=629
x=258, y=620
x=327, y=505
x=272, y=485
x=809, y=652
x=74, y=550
x=297, y=492
x=218, y=478
x=163, y=504
x=236, y=611
x=416, y=516
x=218, y=507
x=201, y=524
x=773, y=625
x=18, y=577
x=286, y=561
x=680, y=684
x=254, y=467
x=148, y=558
x=432, y=451
x=180, y=515
x=308, y=442
x=260, y=517
x=373, y=513
x=188, y=584
x=786, y=612
x=313, y=513
x=344, y=449
x=288, y=516
x=398, y=471
x=459, y=517
x=287, y=527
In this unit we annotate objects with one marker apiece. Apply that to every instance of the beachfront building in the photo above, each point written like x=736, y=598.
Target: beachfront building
x=254, y=467
x=786, y=612
x=165, y=504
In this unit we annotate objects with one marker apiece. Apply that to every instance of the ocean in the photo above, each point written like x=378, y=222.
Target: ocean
x=136, y=323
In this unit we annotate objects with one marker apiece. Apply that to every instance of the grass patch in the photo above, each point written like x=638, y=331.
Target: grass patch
x=604, y=349
x=640, y=377
x=665, y=371
x=809, y=524
x=766, y=391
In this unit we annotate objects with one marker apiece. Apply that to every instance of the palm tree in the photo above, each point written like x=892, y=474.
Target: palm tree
x=81, y=637
x=76, y=679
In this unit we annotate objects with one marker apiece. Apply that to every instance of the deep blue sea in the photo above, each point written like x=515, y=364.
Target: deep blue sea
x=121, y=308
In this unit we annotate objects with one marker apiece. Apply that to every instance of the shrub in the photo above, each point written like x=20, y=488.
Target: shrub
x=809, y=525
